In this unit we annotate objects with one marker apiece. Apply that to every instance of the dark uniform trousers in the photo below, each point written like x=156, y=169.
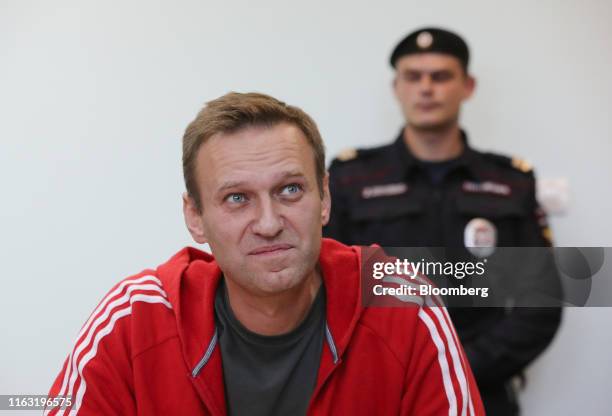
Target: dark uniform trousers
x=386, y=196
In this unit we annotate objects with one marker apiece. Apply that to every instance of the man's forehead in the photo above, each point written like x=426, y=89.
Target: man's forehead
x=254, y=155
x=232, y=179
x=250, y=137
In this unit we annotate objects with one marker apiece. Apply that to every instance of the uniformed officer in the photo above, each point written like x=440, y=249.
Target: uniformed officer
x=429, y=188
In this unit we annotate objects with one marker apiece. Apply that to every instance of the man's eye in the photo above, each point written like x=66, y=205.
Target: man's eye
x=291, y=189
x=412, y=76
x=235, y=198
x=441, y=76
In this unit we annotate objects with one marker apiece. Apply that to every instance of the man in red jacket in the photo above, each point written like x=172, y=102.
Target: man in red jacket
x=274, y=323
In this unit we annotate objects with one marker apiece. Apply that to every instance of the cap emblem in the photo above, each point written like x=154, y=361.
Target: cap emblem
x=424, y=40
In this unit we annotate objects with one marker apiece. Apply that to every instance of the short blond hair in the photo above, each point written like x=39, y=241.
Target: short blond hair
x=233, y=112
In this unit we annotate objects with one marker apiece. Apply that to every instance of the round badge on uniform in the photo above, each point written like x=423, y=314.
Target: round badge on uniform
x=480, y=237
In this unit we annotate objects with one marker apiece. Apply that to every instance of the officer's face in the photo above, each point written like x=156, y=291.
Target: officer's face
x=262, y=213
x=430, y=88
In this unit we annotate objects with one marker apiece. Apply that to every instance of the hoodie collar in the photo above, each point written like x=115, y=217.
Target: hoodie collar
x=191, y=278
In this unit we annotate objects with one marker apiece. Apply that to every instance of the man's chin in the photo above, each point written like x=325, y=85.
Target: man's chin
x=271, y=264
x=276, y=281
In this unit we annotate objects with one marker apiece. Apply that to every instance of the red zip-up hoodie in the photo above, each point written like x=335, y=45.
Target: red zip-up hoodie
x=150, y=348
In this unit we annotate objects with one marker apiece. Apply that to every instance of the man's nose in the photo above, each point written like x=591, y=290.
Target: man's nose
x=269, y=222
x=426, y=84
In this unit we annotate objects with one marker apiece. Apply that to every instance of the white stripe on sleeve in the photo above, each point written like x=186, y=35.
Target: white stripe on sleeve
x=104, y=332
x=446, y=376
x=95, y=320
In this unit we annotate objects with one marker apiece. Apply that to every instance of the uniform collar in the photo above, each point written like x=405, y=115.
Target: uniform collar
x=466, y=161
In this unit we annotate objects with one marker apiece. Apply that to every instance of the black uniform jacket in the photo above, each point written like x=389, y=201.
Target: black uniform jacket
x=386, y=196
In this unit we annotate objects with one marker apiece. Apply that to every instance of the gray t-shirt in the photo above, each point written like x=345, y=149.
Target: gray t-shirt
x=269, y=375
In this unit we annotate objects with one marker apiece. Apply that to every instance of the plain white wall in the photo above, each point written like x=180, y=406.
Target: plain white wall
x=94, y=97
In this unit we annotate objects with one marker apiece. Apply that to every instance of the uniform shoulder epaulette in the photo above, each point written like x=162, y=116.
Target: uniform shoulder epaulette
x=352, y=153
x=515, y=163
x=347, y=154
x=521, y=164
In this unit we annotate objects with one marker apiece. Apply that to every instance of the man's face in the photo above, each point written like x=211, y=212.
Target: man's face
x=262, y=212
x=430, y=88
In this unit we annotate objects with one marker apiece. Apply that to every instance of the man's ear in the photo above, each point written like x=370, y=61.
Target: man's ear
x=326, y=201
x=193, y=219
x=470, y=86
x=394, y=85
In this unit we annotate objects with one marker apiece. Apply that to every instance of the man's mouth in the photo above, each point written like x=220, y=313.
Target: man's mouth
x=427, y=106
x=270, y=249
